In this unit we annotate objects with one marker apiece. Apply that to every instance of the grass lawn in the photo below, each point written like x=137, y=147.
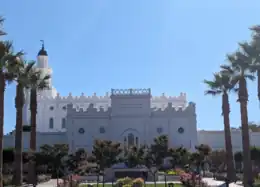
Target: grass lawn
x=147, y=185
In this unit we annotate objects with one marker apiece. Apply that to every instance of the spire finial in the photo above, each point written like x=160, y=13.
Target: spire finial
x=42, y=52
x=42, y=41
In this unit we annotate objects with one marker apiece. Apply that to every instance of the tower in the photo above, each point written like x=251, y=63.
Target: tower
x=42, y=64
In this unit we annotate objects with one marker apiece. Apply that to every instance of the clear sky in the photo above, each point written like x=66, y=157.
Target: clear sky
x=169, y=46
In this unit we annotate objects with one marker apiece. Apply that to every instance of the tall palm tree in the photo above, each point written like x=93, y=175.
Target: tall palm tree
x=37, y=81
x=221, y=85
x=7, y=62
x=21, y=72
x=240, y=68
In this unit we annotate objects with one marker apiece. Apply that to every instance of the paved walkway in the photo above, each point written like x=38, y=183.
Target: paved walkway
x=50, y=183
x=215, y=183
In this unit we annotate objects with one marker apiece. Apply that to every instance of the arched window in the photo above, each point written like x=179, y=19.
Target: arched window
x=131, y=140
x=63, y=123
x=136, y=141
x=51, y=123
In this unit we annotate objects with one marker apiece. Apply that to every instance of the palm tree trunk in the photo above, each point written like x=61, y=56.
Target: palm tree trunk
x=33, y=108
x=247, y=165
x=228, y=138
x=18, y=170
x=2, y=90
x=258, y=85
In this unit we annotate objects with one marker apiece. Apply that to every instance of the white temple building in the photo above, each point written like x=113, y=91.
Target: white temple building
x=129, y=116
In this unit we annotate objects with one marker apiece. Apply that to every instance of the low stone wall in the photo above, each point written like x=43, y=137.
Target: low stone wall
x=169, y=178
x=91, y=178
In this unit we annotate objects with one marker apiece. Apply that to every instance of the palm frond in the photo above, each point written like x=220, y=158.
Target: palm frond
x=250, y=77
x=212, y=92
x=29, y=66
x=255, y=28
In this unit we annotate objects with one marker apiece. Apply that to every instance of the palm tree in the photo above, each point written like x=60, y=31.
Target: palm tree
x=21, y=72
x=7, y=62
x=221, y=85
x=240, y=68
x=37, y=81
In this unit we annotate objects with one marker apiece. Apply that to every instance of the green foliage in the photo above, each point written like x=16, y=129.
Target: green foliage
x=157, y=152
x=135, y=156
x=54, y=157
x=128, y=182
x=77, y=162
x=105, y=153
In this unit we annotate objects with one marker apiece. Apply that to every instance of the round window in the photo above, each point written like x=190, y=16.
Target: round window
x=81, y=131
x=181, y=130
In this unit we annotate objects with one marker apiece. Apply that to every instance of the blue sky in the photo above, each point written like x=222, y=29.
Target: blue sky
x=169, y=46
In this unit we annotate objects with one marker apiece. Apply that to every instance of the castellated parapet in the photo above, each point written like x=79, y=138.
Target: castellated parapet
x=169, y=111
x=156, y=101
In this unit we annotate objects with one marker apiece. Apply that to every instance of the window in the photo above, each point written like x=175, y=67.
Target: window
x=81, y=131
x=131, y=140
x=51, y=123
x=136, y=141
x=63, y=123
x=102, y=130
x=51, y=108
x=64, y=107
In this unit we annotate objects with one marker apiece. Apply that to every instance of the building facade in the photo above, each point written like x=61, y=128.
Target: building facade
x=128, y=116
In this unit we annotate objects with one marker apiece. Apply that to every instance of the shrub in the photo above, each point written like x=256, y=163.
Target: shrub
x=124, y=181
x=138, y=182
x=176, y=171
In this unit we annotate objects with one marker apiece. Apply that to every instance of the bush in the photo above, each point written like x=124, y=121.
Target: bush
x=7, y=180
x=124, y=181
x=138, y=182
x=176, y=171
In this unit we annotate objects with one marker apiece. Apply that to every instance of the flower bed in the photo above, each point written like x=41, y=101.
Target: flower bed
x=192, y=180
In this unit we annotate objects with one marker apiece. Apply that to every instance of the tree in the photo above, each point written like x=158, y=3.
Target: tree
x=55, y=158
x=77, y=162
x=240, y=68
x=238, y=159
x=156, y=154
x=135, y=157
x=217, y=158
x=37, y=81
x=21, y=71
x=105, y=153
x=222, y=84
x=203, y=151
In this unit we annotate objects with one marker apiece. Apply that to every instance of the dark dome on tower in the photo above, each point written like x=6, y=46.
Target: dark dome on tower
x=42, y=52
